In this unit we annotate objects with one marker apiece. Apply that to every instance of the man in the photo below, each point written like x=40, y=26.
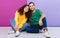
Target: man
x=38, y=20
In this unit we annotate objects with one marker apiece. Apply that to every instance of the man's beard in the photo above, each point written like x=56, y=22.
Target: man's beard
x=32, y=10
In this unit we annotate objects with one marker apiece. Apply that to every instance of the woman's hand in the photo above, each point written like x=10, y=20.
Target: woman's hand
x=16, y=28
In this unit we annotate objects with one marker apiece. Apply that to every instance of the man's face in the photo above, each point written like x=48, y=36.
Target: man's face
x=32, y=6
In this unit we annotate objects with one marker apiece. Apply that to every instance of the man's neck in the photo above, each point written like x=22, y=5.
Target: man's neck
x=34, y=11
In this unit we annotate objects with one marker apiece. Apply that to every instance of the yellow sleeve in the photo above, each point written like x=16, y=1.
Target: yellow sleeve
x=16, y=18
x=22, y=23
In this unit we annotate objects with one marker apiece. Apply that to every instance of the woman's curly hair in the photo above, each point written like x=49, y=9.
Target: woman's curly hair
x=27, y=14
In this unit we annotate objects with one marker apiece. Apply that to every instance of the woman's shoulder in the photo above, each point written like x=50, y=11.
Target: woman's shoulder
x=17, y=13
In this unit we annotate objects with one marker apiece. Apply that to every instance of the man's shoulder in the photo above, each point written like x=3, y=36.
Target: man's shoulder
x=37, y=9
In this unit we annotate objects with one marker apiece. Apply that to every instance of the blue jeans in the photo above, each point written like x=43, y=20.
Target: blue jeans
x=35, y=28
x=13, y=25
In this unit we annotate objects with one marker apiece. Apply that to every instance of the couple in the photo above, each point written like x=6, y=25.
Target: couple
x=28, y=18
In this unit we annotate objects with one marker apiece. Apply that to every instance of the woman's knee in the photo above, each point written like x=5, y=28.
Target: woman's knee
x=26, y=24
x=12, y=22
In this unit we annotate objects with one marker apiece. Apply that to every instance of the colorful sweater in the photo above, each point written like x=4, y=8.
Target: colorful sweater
x=20, y=19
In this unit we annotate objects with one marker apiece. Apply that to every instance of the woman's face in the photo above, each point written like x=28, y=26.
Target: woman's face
x=26, y=9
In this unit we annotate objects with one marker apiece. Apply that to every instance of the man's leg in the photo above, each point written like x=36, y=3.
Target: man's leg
x=44, y=28
x=33, y=29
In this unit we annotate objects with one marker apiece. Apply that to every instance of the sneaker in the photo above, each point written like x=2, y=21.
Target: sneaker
x=46, y=34
x=17, y=33
x=40, y=31
x=11, y=32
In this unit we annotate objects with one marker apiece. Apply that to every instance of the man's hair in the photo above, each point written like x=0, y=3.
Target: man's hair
x=31, y=3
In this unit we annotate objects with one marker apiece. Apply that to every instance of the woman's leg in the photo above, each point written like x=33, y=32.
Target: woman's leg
x=25, y=26
x=14, y=27
x=12, y=23
x=19, y=30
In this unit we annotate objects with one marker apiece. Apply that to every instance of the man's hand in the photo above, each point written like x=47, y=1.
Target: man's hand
x=40, y=23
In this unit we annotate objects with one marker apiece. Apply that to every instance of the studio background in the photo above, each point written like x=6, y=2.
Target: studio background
x=50, y=7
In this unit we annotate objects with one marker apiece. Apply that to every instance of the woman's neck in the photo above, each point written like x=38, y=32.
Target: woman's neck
x=23, y=12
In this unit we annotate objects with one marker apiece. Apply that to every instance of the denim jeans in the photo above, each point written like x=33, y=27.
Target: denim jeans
x=13, y=25
x=35, y=28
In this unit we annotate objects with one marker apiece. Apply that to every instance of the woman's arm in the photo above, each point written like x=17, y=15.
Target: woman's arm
x=22, y=23
x=16, y=18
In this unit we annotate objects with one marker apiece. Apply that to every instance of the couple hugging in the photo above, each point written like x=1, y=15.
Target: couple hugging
x=29, y=19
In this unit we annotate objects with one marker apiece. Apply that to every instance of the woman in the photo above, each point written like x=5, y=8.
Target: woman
x=21, y=17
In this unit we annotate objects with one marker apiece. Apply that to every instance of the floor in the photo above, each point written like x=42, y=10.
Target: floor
x=54, y=33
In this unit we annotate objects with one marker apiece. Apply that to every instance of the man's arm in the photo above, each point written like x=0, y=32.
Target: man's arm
x=40, y=21
x=42, y=16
